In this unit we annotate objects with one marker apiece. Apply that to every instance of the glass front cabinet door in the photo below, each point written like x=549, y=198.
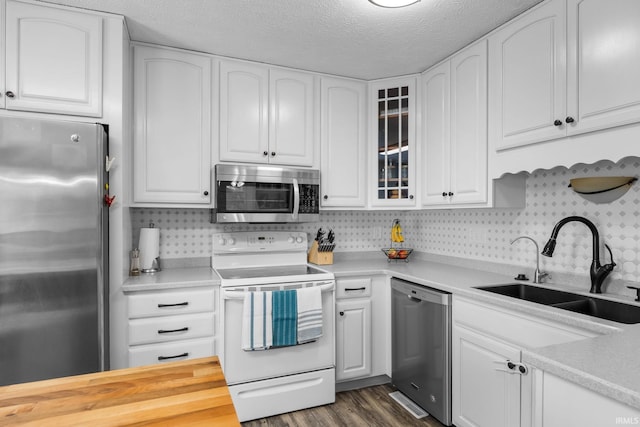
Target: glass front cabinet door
x=393, y=134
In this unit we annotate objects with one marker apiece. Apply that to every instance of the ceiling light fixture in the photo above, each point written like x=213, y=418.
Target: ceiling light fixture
x=393, y=3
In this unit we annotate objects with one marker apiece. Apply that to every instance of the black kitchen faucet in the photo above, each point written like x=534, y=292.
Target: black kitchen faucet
x=597, y=271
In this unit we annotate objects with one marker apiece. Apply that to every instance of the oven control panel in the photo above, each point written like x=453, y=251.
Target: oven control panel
x=259, y=241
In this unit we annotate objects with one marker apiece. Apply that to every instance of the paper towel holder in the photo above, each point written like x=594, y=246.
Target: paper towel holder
x=154, y=266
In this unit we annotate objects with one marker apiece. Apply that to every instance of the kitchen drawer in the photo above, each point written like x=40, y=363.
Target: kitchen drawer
x=170, y=328
x=353, y=288
x=171, y=351
x=148, y=304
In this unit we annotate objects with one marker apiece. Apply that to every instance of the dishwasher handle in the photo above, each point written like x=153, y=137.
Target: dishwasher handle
x=421, y=293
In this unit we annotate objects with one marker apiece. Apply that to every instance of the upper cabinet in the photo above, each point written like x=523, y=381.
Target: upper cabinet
x=53, y=60
x=172, y=140
x=392, y=139
x=564, y=68
x=603, y=64
x=527, y=78
x=266, y=114
x=454, y=140
x=342, y=142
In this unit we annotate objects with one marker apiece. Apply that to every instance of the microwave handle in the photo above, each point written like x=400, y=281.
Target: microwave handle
x=296, y=199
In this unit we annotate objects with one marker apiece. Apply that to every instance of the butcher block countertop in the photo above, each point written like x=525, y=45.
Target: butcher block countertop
x=190, y=393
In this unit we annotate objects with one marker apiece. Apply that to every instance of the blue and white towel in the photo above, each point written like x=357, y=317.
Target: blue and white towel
x=257, y=321
x=285, y=316
x=309, y=314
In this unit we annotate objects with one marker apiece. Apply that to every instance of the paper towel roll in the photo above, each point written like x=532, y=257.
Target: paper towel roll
x=149, y=246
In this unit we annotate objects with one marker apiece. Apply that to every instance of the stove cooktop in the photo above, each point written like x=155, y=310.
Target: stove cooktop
x=270, y=275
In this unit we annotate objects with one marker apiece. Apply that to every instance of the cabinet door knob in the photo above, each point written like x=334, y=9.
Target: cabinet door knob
x=342, y=313
x=273, y=154
x=206, y=193
x=569, y=119
x=325, y=197
x=411, y=196
x=557, y=122
x=444, y=194
x=510, y=364
x=265, y=153
x=10, y=94
x=450, y=194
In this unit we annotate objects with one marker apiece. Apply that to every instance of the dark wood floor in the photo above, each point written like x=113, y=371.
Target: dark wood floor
x=369, y=406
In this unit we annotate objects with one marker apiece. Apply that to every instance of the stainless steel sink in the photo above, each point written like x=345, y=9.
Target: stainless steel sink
x=603, y=309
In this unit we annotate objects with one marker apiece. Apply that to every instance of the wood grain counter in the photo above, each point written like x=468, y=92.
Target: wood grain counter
x=185, y=393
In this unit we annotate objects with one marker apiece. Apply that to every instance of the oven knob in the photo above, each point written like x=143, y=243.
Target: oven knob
x=299, y=239
x=232, y=241
x=291, y=239
x=222, y=241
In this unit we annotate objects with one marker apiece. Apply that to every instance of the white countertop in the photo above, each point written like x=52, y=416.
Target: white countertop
x=174, y=278
x=607, y=364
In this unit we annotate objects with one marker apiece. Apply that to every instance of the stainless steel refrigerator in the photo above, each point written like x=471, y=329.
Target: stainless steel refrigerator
x=53, y=249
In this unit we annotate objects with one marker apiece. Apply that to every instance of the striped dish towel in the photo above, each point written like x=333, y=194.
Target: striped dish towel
x=309, y=314
x=257, y=321
x=285, y=316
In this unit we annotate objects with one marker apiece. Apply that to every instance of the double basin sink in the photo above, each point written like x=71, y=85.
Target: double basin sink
x=603, y=309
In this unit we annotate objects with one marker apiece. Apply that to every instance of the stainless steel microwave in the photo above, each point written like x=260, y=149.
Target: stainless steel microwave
x=267, y=194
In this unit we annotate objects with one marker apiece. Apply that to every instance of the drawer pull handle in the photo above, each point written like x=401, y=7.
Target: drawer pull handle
x=169, y=331
x=354, y=289
x=186, y=303
x=173, y=357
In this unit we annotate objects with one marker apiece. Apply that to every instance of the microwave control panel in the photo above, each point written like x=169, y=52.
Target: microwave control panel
x=309, y=198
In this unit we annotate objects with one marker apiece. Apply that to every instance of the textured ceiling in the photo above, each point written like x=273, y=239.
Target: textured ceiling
x=350, y=38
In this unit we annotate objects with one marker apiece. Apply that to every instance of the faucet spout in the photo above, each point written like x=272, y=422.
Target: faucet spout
x=597, y=272
x=538, y=276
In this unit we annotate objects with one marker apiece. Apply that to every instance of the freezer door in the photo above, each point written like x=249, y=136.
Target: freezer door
x=52, y=249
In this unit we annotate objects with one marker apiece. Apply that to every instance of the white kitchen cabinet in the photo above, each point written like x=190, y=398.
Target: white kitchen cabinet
x=454, y=146
x=2, y=53
x=172, y=120
x=603, y=64
x=564, y=68
x=564, y=403
x=487, y=384
x=487, y=392
x=266, y=114
x=342, y=141
x=527, y=77
x=353, y=328
x=166, y=325
x=392, y=142
x=53, y=60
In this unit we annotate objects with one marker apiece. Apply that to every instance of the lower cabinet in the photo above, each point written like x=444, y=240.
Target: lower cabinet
x=169, y=325
x=488, y=387
x=562, y=403
x=486, y=390
x=363, y=340
x=353, y=329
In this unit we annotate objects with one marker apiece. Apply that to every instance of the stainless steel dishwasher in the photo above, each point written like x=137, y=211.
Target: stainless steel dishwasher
x=421, y=346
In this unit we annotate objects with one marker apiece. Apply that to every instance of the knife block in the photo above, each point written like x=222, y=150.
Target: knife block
x=319, y=258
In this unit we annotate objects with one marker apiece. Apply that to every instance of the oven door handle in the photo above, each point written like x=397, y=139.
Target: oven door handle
x=296, y=200
x=239, y=294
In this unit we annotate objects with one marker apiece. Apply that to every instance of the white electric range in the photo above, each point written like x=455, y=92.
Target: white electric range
x=282, y=379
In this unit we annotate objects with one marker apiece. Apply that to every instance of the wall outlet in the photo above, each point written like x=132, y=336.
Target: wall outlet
x=476, y=236
x=376, y=232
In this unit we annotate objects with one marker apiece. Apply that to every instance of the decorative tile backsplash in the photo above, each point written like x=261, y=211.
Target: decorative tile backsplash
x=477, y=234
